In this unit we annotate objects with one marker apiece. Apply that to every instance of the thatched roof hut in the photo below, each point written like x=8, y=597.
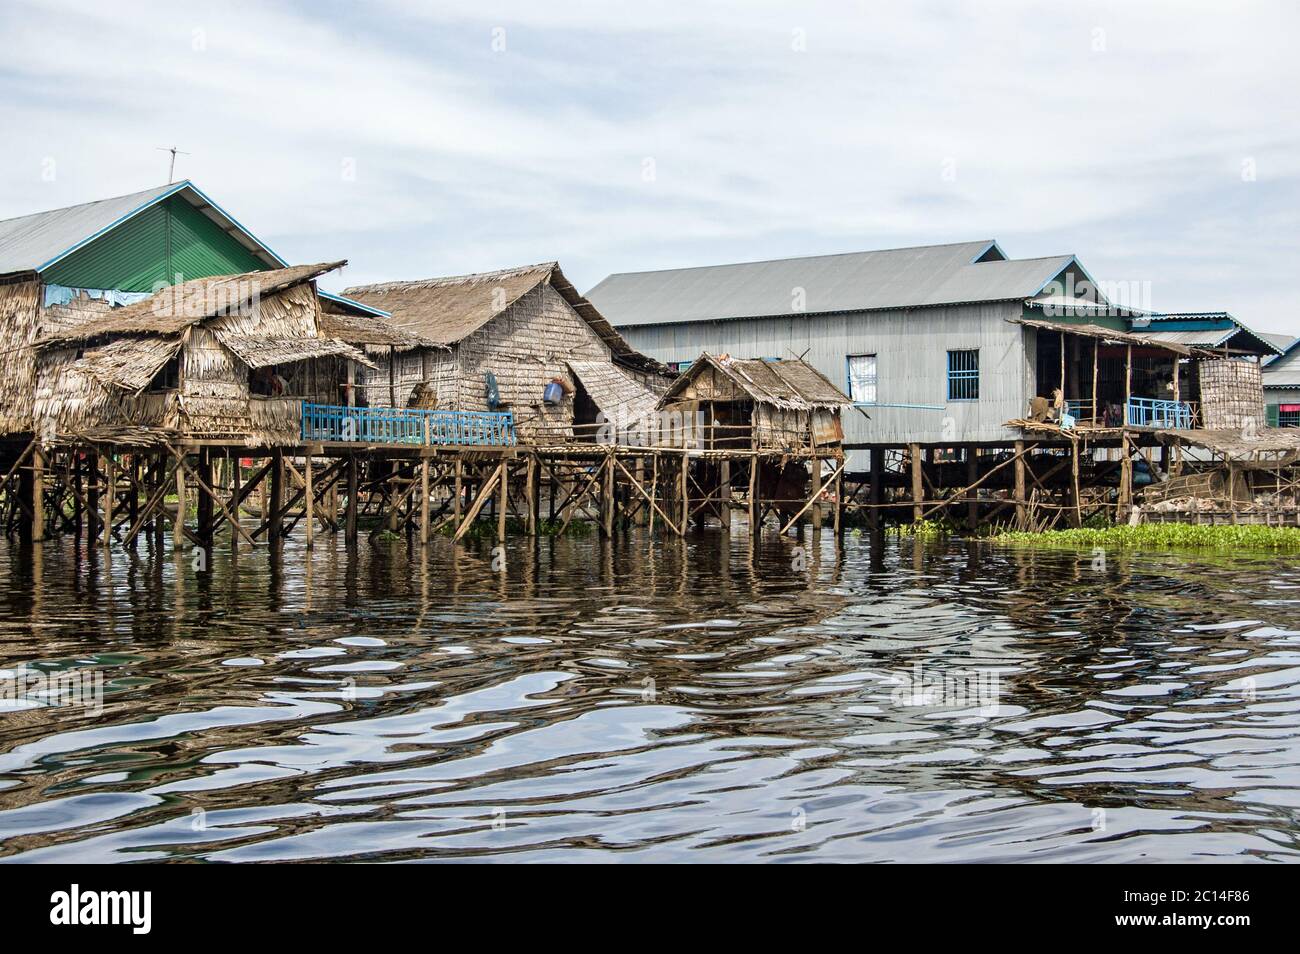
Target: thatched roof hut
x=221, y=358
x=758, y=403
x=509, y=336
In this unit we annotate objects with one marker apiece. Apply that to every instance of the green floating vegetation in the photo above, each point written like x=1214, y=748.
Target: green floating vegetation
x=923, y=529
x=1154, y=536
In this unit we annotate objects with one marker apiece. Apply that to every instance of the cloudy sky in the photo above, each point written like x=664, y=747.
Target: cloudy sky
x=1157, y=141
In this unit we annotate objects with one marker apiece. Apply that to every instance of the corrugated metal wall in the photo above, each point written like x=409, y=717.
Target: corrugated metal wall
x=169, y=238
x=911, y=348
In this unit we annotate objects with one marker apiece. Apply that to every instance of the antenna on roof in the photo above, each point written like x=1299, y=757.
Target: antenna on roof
x=171, y=169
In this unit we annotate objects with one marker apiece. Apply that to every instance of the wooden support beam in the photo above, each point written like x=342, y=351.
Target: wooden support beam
x=108, y=466
x=1022, y=512
x=503, y=501
x=351, y=532
x=484, y=494
x=972, y=475
x=38, y=495
x=685, y=492
x=309, y=501
x=607, y=497
x=816, y=468
x=204, y=488
x=424, y=502
x=811, y=500
x=654, y=507
x=918, y=494
x=877, y=486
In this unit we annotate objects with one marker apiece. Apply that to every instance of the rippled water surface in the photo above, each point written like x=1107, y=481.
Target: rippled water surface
x=697, y=700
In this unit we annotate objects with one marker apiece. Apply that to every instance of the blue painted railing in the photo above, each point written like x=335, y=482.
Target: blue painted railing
x=386, y=425
x=1150, y=412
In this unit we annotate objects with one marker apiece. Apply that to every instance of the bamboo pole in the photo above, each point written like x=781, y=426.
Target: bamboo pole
x=178, y=525
x=424, y=502
x=110, y=497
x=685, y=492
x=816, y=468
x=503, y=501
x=918, y=492
x=38, y=496
x=1022, y=513
x=308, y=501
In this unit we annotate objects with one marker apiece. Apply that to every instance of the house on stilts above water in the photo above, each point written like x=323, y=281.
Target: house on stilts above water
x=520, y=340
x=981, y=373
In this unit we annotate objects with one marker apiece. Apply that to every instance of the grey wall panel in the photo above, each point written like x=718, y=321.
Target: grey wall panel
x=911, y=348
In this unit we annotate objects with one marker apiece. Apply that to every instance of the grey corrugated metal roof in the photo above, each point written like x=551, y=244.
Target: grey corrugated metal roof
x=33, y=242
x=855, y=281
x=1283, y=344
x=1204, y=338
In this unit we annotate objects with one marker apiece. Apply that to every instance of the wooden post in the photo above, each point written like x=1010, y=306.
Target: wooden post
x=308, y=501
x=275, y=531
x=1097, y=417
x=1062, y=334
x=353, y=489
x=38, y=495
x=876, y=497
x=753, y=495
x=607, y=497
x=1074, y=468
x=236, y=484
x=110, y=497
x=1128, y=381
x=685, y=491
x=972, y=475
x=424, y=502
x=1022, y=513
x=503, y=501
x=1125, y=479
x=92, y=497
x=458, y=488
x=205, y=521
x=531, y=494
x=918, y=490
x=816, y=493
x=178, y=525
x=724, y=495
x=839, y=501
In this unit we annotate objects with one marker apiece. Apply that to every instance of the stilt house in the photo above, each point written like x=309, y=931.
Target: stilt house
x=521, y=340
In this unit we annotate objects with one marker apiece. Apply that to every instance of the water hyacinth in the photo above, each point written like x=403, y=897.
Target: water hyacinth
x=1164, y=536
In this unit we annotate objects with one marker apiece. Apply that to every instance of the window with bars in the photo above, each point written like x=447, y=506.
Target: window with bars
x=862, y=378
x=1288, y=418
x=964, y=375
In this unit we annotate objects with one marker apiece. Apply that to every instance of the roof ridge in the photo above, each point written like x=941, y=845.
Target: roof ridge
x=107, y=198
x=798, y=258
x=466, y=279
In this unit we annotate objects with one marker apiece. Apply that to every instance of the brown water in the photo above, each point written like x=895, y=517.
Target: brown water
x=692, y=700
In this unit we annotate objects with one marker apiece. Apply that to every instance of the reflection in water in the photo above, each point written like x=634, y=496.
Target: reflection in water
x=707, y=698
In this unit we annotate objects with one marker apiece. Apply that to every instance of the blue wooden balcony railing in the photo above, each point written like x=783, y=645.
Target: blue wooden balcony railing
x=386, y=425
x=1151, y=412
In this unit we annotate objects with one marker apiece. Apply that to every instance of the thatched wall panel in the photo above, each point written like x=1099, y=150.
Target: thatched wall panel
x=18, y=327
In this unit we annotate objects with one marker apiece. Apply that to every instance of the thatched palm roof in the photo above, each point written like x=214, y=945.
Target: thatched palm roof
x=178, y=307
x=448, y=310
x=791, y=384
x=371, y=332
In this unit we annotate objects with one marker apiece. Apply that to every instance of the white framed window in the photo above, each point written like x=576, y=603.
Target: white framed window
x=862, y=378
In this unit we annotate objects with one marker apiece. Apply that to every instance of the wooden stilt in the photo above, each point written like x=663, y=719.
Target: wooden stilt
x=972, y=475
x=109, y=467
x=458, y=488
x=753, y=495
x=685, y=492
x=1022, y=512
x=876, y=497
x=918, y=491
x=607, y=497
x=309, y=500
x=276, y=532
x=38, y=495
x=178, y=525
x=816, y=510
x=724, y=495
x=350, y=534
x=503, y=501
x=424, y=502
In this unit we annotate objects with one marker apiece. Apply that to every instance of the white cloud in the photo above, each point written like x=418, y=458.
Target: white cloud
x=468, y=158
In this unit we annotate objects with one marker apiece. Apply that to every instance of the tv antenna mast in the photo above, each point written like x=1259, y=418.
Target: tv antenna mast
x=171, y=169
